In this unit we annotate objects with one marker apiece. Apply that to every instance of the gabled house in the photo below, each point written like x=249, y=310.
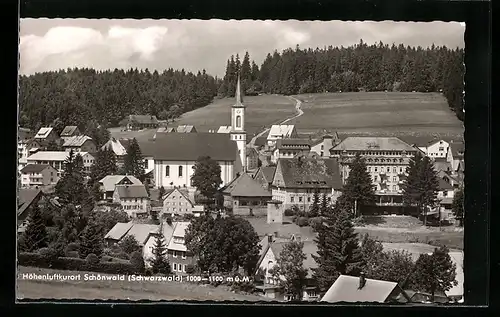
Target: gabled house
x=245, y=196
x=179, y=255
x=268, y=259
x=445, y=199
x=177, y=201
x=109, y=183
x=53, y=158
x=69, y=131
x=139, y=231
x=437, y=149
x=265, y=175
x=134, y=200
x=139, y=122
x=456, y=154
x=278, y=132
x=46, y=135
x=351, y=289
x=79, y=143
x=289, y=148
x=26, y=198
x=39, y=176
x=296, y=180
x=117, y=148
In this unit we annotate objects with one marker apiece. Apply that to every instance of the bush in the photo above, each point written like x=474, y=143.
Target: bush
x=315, y=222
x=72, y=254
x=129, y=244
x=302, y=221
x=137, y=260
x=190, y=269
x=120, y=255
x=289, y=213
x=74, y=264
x=92, y=258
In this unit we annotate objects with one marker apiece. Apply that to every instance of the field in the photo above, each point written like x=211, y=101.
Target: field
x=378, y=113
x=120, y=290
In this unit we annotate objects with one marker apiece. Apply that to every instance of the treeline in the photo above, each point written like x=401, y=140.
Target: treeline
x=79, y=96
x=360, y=67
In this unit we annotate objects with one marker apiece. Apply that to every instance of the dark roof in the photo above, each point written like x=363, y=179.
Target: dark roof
x=34, y=168
x=293, y=144
x=303, y=172
x=252, y=151
x=132, y=191
x=190, y=146
x=245, y=186
x=442, y=165
x=69, y=130
x=268, y=172
x=444, y=185
x=25, y=198
x=457, y=149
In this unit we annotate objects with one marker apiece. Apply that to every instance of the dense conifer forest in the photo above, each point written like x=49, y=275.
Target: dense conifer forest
x=80, y=96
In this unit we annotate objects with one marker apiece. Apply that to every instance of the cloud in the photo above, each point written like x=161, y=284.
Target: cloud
x=51, y=44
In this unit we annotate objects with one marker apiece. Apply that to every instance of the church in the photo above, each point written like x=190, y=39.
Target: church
x=172, y=156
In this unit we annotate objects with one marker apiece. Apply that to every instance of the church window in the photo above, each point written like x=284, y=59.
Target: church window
x=180, y=171
x=238, y=121
x=167, y=171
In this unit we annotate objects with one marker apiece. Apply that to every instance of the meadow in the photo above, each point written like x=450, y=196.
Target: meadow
x=378, y=113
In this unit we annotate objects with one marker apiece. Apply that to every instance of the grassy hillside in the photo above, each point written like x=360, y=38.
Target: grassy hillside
x=119, y=290
x=378, y=113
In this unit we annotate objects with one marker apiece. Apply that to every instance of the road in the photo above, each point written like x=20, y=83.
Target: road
x=299, y=112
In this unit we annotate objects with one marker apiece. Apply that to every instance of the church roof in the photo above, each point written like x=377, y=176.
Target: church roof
x=245, y=186
x=224, y=129
x=238, y=103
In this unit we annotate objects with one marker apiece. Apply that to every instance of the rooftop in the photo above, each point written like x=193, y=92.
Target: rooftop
x=43, y=133
x=69, y=130
x=224, y=129
x=49, y=156
x=142, y=119
x=25, y=198
x=180, y=232
x=109, y=182
x=303, y=172
x=131, y=191
x=245, y=186
x=285, y=131
x=346, y=289
x=115, y=146
x=76, y=141
x=373, y=144
x=35, y=168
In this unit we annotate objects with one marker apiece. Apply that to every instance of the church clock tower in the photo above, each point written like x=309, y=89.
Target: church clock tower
x=238, y=133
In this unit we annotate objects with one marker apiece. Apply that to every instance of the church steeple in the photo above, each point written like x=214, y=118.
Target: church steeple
x=238, y=103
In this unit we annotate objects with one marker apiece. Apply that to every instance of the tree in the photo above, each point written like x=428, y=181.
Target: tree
x=104, y=165
x=71, y=188
x=207, y=176
x=54, y=146
x=289, y=270
x=137, y=260
x=434, y=272
x=314, y=209
x=91, y=239
x=338, y=250
x=35, y=235
x=427, y=186
x=159, y=262
x=358, y=189
x=457, y=206
x=324, y=208
x=161, y=193
x=71, y=222
x=129, y=244
x=109, y=219
x=134, y=162
x=410, y=184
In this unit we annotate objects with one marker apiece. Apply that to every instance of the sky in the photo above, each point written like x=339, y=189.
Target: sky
x=52, y=44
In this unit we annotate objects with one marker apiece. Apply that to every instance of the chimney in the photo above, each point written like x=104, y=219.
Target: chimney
x=362, y=280
x=270, y=238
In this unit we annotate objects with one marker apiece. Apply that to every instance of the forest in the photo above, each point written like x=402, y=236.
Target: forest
x=80, y=96
x=361, y=67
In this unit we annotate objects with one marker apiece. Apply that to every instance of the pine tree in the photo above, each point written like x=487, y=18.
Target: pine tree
x=159, y=262
x=35, y=236
x=428, y=186
x=161, y=193
x=104, y=165
x=134, y=162
x=324, y=208
x=358, y=190
x=338, y=250
x=91, y=239
x=314, y=210
x=410, y=184
x=207, y=176
x=457, y=206
x=71, y=187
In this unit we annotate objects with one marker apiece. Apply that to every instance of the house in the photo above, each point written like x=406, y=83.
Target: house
x=24, y=139
x=269, y=256
x=133, y=198
x=453, y=180
x=39, y=176
x=167, y=229
x=177, y=201
x=278, y=132
x=69, y=131
x=386, y=159
x=79, y=143
x=53, y=158
x=456, y=156
x=26, y=199
x=296, y=180
x=117, y=148
x=175, y=154
x=445, y=198
x=322, y=145
x=88, y=161
x=351, y=289
x=139, y=122
x=441, y=164
x=46, y=135
x=252, y=159
x=108, y=184
x=289, y=148
x=245, y=196
x=437, y=149
x=179, y=256
x=224, y=129
x=139, y=231
x=265, y=175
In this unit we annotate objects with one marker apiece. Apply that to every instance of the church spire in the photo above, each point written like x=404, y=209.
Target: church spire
x=238, y=93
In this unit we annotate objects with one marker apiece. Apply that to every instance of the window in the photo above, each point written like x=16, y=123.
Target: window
x=445, y=193
x=441, y=149
x=292, y=199
x=184, y=268
x=376, y=169
x=184, y=255
x=175, y=266
x=394, y=169
x=308, y=199
x=388, y=169
x=401, y=170
x=394, y=179
x=375, y=178
x=238, y=121
x=369, y=168
x=322, y=147
x=174, y=254
x=167, y=171
x=300, y=199
x=180, y=171
x=135, y=200
x=51, y=179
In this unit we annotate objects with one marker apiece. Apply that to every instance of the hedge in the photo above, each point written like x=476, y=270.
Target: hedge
x=74, y=264
x=302, y=221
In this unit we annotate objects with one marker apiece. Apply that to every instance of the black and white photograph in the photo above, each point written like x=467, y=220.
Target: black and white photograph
x=241, y=160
